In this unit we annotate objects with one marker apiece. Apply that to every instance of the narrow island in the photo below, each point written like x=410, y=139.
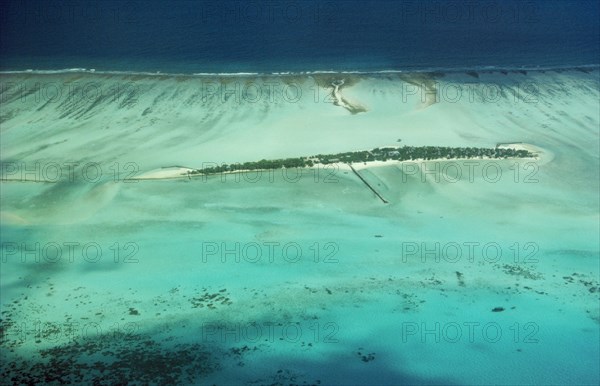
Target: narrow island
x=361, y=159
x=404, y=153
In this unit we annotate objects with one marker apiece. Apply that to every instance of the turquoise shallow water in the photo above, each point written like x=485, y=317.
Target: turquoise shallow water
x=365, y=293
x=307, y=282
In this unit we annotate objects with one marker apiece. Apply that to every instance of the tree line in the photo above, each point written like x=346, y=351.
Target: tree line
x=404, y=153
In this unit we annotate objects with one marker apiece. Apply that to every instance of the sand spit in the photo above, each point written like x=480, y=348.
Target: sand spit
x=165, y=173
x=339, y=99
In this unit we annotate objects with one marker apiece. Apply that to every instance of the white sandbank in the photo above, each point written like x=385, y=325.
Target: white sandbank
x=165, y=173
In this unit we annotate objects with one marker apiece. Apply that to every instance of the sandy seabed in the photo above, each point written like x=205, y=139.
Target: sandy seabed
x=344, y=289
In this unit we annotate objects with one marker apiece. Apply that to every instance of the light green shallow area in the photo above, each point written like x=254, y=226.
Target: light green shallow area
x=343, y=288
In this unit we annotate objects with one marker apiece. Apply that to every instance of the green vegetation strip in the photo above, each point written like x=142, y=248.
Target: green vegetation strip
x=404, y=153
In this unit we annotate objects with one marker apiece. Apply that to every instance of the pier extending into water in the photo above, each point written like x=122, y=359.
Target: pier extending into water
x=368, y=185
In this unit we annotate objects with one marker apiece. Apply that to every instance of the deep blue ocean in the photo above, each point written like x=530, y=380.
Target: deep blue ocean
x=281, y=36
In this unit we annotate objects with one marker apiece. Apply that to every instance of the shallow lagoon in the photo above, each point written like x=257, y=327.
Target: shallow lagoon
x=366, y=300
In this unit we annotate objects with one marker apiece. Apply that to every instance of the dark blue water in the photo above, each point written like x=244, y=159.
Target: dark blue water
x=268, y=36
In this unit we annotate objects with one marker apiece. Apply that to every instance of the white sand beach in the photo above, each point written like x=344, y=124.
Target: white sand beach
x=164, y=173
x=542, y=156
